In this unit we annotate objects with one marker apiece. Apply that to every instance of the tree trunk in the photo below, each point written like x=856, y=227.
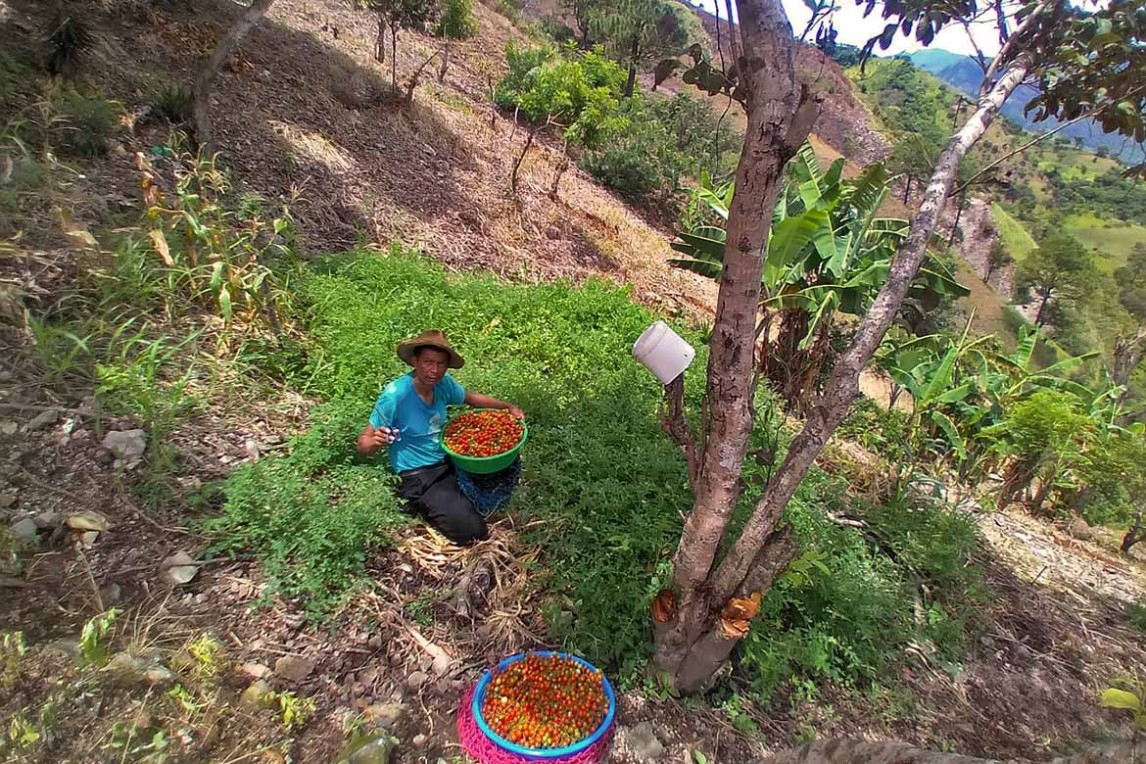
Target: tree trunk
x=780, y=116
x=445, y=61
x=733, y=43
x=631, y=84
x=831, y=407
x=520, y=159
x=1133, y=535
x=1040, y=317
x=394, y=56
x=562, y=166
x=380, y=41
x=958, y=217
x=201, y=99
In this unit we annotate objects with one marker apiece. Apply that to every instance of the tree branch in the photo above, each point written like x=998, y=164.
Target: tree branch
x=830, y=408
x=1037, y=139
x=677, y=427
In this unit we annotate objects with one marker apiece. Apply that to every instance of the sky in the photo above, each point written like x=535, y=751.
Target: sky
x=854, y=29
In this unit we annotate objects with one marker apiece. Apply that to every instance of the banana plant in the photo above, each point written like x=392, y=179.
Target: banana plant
x=826, y=244
x=827, y=252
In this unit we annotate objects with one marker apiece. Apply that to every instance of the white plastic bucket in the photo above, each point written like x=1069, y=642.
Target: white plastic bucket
x=663, y=352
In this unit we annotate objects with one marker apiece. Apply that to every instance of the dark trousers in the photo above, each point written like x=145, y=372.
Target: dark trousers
x=434, y=493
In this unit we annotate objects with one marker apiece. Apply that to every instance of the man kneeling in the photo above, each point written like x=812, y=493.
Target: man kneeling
x=408, y=419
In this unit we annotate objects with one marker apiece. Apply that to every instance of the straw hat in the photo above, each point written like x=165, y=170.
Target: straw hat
x=434, y=338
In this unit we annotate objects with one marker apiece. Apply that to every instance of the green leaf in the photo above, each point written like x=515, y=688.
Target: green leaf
x=952, y=432
x=1115, y=698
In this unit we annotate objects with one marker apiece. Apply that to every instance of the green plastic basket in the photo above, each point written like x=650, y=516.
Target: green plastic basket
x=484, y=465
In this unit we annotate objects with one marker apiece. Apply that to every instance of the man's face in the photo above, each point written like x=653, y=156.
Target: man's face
x=430, y=365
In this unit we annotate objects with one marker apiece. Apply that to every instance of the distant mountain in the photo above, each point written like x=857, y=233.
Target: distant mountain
x=964, y=74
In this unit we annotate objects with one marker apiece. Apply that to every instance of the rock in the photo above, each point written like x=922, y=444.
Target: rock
x=8, y=427
x=178, y=569
x=111, y=594
x=126, y=668
x=88, y=520
x=67, y=647
x=45, y=418
x=26, y=530
x=642, y=742
x=158, y=676
x=255, y=696
x=255, y=670
x=88, y=538
x=127, y=446
x=372, y=749
x=384, y=715
x=7, y=499
x=47, y=520
x=419, y=741
x=251, y=446
x=293, y=668
x=190, y=483
x=417, y=679
x=1081, y=530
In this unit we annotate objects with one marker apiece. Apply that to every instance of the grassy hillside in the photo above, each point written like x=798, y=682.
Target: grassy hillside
x=1014, y=234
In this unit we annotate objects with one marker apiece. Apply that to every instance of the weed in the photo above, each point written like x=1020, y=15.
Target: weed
x=82, y=123
x=213, y=250
x=1136, y=615
x=204, y=658
x=12, y=649
x=67, y=39
x=93, y=644
x=294, y=711
x=22, y=734
x=172, y=101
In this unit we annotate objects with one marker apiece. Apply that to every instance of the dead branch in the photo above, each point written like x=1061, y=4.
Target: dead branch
x=677, y=427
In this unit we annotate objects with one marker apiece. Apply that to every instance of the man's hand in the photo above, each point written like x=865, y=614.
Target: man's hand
x=515, y=412
x=371, y=440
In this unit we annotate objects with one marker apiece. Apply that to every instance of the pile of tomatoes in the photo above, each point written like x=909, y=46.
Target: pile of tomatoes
x=483, y=433
x=545, y=701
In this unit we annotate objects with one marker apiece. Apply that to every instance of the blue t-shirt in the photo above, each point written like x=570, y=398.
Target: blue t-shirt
x=400, y=406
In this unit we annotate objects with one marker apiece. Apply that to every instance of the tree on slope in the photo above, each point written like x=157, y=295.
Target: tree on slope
x=1058, y=270
x=700, y=620
x=393, y=15
x=643, y=31
x=457, y=23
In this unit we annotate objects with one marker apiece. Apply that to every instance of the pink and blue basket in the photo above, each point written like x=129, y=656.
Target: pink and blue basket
x=487, y=747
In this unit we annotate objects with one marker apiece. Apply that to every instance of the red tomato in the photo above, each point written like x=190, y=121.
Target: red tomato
x=483, y=433
x=545, y=701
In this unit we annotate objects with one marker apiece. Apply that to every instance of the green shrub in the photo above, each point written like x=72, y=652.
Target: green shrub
x=172, y=101
x=313, y=517
x=846, y=608
x=457, y=20
x=666, y=140
x=84, y=123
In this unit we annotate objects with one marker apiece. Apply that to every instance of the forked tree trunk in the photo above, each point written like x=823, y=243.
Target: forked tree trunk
x=780, y=116
x=694, y=637
x=380, y=41
x=201, y=94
